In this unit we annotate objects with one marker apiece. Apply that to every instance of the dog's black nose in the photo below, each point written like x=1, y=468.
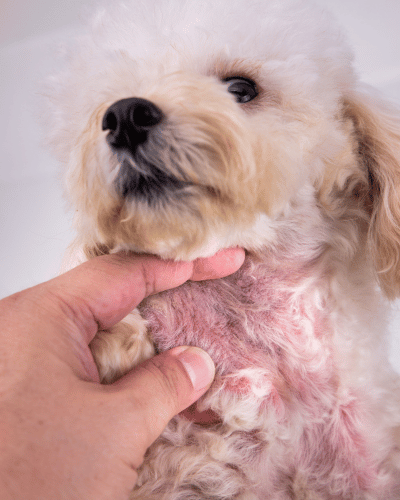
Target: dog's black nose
x=129, y=122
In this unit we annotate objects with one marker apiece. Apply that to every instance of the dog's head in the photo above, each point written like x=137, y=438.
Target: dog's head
x=192, y=126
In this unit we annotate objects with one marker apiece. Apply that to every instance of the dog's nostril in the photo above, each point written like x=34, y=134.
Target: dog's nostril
x=145, y=114
x=110, y=121
x=129, y=121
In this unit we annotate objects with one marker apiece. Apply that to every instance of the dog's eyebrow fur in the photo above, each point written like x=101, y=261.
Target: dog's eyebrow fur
x=223, y=69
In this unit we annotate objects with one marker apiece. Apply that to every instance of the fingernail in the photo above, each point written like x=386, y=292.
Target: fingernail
x=198, y=365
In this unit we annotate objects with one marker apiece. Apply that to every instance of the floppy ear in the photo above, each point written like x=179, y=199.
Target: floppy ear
x=377, y=128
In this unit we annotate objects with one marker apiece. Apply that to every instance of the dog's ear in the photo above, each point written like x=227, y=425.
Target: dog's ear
x=377, y=129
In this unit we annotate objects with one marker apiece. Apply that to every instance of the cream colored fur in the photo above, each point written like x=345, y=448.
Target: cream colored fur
x=305, y=177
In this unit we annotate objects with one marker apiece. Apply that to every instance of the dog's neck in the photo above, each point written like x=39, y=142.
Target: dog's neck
x=250, y=319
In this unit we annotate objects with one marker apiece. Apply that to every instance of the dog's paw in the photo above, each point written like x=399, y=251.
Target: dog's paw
x=119, y=349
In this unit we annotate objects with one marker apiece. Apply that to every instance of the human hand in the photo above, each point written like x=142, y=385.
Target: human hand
x=62, y=434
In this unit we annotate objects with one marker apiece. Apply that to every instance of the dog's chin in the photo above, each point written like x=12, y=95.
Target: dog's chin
x=172, y=250
x=175, y=245
x=171, y=234
x=150, y=185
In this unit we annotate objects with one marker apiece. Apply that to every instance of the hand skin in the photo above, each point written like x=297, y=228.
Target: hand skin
x=63, y=435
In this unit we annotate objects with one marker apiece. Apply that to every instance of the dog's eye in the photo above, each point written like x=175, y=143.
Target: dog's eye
x=243, y=89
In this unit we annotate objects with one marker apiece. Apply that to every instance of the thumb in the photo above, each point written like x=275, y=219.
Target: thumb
x=165, y=385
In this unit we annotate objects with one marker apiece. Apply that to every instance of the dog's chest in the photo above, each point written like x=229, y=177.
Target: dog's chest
x=262, y=318
x=270, y=331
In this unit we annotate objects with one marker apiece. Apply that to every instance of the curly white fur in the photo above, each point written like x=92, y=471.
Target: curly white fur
x=306, y=177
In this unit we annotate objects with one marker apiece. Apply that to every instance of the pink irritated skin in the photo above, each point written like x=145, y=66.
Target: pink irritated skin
x=351, y=443
x=254, y=319
x=341, y=442
x=247, y=320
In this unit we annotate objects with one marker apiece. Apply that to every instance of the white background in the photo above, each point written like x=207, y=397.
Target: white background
x=34, y=223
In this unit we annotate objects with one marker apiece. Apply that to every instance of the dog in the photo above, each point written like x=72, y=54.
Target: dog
x=191, y=126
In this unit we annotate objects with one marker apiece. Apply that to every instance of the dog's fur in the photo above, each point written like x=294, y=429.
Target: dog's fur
x=306, y=178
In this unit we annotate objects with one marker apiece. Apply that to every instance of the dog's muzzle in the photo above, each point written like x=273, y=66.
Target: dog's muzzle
x=133, y=124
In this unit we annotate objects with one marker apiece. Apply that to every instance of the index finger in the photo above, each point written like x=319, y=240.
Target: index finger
x=102, y=291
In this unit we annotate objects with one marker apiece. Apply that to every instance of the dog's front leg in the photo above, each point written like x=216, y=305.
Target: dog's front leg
x=122, y=347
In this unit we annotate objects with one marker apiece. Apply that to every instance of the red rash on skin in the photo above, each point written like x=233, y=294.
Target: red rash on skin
x=256, y=319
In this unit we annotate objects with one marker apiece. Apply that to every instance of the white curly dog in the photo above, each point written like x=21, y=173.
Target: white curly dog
x=188, y=126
